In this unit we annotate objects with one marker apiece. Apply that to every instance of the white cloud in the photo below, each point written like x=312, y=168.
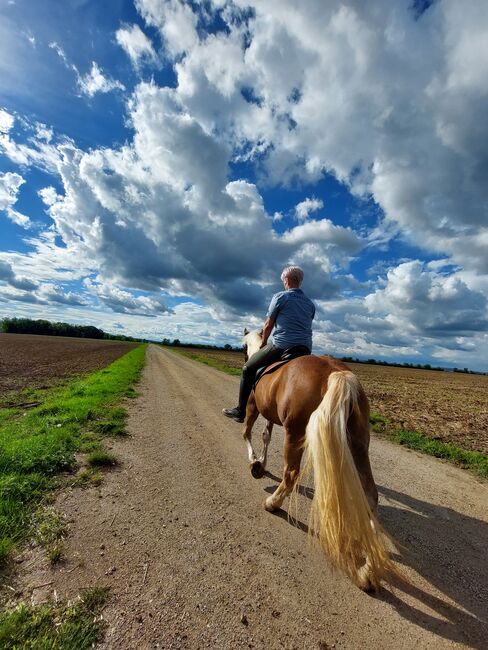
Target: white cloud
x=95, y=81
x=428, y=303
x=137, y=45
x=6, y=121
x=306, y=207
x=125, y=302
x=388, y=102
x=174, y=19
x=9, y=188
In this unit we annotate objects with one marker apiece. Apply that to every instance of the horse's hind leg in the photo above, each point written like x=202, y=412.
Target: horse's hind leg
x=293, y=451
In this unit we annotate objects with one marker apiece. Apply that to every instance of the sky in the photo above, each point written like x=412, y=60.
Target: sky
x=161, y=161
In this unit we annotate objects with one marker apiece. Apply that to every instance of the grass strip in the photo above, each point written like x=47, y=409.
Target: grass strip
x=213, y=363
x=38, y=444
x=61, y=626
x=472, y=460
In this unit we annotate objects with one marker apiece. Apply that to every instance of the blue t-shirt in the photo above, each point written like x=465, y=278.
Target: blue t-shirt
x=293, y=313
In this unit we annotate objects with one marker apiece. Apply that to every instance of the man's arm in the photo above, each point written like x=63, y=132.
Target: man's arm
x=267, y=329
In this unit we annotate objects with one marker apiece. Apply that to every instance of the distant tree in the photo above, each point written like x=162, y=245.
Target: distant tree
x=176, y=342
x=227, y=346
x=166, y=342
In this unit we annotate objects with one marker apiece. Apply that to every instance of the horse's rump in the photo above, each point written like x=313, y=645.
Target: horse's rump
x=296, y=389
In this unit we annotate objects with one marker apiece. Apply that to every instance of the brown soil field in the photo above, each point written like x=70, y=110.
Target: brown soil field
x=451, y=407
x=33, y=361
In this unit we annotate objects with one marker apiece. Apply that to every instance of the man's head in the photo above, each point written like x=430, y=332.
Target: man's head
x=292, y=277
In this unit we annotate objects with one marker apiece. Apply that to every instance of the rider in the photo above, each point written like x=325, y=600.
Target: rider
x=291, y=313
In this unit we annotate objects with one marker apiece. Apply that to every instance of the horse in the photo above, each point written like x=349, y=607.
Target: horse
x=324, y=409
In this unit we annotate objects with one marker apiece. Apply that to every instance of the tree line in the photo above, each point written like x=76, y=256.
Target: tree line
x=47, y=328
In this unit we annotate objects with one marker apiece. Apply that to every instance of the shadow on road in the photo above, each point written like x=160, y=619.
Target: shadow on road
x=446, y=548
x=449, y=550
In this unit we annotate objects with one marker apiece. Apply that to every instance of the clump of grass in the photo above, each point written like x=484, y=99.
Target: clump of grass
x=113, y=424
x=40, y=442
x=55, y=552
x=50, y=528
x=62, y=626
x=101, y=458
x=87, y=478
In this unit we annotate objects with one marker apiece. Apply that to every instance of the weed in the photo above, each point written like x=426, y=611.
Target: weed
x=60, y=626
x=87, y=477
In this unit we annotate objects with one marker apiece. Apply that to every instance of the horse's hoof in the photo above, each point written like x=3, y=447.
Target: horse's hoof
x=268, y=505
x=364, y=582
x=257, y=469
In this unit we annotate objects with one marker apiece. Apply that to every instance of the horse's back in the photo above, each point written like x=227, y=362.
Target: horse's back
x=295, y=390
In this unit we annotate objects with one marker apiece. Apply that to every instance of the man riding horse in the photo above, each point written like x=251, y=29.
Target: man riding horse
x=291, y=313
x=323, y=409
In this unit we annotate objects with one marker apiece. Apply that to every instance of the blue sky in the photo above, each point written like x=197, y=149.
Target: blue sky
x=161, y=161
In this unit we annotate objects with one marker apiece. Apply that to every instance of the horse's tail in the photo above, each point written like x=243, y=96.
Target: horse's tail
x=340, y=517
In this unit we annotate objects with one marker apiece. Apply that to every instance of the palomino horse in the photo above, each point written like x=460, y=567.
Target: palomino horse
x=323, y=408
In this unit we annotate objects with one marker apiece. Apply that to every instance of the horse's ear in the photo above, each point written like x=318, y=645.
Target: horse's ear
x=246, y=331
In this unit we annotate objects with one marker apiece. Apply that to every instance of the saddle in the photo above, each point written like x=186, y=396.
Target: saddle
x=288, y=355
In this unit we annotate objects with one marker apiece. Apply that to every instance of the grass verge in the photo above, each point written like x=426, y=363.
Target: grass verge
x=472, y=460
x=61, y=626
x=39, y=443
x=476, y=462
x=213, y=363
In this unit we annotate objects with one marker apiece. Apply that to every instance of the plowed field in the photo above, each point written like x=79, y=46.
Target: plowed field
x=32, y=361
x=452, y=407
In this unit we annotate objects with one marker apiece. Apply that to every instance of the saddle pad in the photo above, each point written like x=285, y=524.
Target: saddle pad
x=288, y=355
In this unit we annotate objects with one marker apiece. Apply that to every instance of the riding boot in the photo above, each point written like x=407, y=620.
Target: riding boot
x=239, y=412
x=245, y=389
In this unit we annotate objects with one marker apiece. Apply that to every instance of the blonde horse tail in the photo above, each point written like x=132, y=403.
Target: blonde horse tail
x=340, y=517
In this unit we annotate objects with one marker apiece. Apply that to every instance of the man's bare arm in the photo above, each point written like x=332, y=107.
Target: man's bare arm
x=267, y=329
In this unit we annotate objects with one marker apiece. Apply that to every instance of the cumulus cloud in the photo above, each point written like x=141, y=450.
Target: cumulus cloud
x=427, y=303
x=96, y=81
x=9, y=188
x=8, y=276
x=136, y=44
x=385, y=98
x=125, y=302
x=6, y=121
x=306, y=207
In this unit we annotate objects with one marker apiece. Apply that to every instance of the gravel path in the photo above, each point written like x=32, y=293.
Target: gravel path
x=179, y=533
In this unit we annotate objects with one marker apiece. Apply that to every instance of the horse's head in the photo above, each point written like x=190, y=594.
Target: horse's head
x=252, y=342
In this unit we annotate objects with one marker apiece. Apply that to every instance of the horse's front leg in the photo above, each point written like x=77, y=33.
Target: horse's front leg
x=252, y=414
x=266, y=440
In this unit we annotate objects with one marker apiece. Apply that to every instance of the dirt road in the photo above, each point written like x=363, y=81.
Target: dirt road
x=194, y=561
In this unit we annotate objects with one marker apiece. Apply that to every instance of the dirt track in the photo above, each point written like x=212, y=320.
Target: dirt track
x=194, y=561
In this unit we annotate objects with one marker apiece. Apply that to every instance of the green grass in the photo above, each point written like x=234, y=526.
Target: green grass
x=213, y=363
x=64, y=626
x=472, y=460
x=39, y=443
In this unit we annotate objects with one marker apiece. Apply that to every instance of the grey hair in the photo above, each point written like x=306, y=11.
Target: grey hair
x=293, y=273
